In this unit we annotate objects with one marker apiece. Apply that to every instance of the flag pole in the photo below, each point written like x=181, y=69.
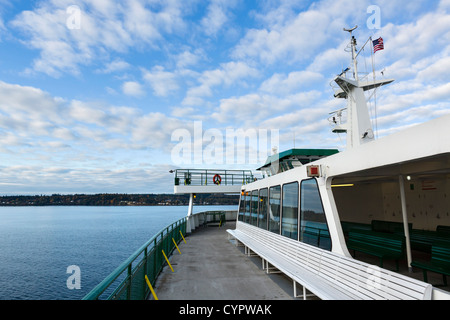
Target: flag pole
x=375, y=90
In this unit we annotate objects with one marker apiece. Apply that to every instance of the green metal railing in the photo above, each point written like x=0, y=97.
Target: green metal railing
x=205, y=177
x=215, y=217
x=127, y=282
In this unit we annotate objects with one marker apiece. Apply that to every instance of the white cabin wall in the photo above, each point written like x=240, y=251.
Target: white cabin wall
x=392, y=206
x=427, y=202
x=361, y=203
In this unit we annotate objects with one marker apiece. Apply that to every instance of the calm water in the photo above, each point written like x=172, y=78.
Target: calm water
x=37, y=244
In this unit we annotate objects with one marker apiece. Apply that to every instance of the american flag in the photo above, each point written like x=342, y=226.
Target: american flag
x=378, y=44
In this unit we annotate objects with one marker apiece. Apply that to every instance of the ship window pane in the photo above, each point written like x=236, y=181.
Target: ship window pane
x=254, y=216
x=289, y=220
x=313, y=225
x=242, y=207
x=274, y=209
x=247, y=208
x=263, y=202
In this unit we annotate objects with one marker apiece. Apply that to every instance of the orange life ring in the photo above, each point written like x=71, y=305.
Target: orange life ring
x=217, y=179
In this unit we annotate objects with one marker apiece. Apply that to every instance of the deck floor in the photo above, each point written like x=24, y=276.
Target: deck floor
x=211, y=267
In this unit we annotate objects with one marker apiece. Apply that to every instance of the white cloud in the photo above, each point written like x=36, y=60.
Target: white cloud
x=414, y=40
x=275, y=76
x=255, y=109
x=31, y=117
x=69, y=180
x=115, y=66
x=154, y=130
x=230, y=73
x=133, y=88
x=281, y=84
x=87, y=113
x=105, y=26
x=295, y=38
x=184, y=112
x=162, y=82
x=187, y=58
x=217, y=16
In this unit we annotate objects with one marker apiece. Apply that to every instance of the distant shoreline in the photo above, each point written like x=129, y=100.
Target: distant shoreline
x=106, y=199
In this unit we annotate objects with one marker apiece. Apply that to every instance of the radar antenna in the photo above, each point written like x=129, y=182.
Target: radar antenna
x=353, y=44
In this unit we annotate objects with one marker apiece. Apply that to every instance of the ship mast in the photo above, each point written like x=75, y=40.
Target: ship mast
x=359, y=126
x=353, y=47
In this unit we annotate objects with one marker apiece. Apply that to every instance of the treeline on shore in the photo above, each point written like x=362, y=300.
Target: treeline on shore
x=117, y=200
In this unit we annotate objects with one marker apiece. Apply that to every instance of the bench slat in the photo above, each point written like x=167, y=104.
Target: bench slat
x=398, y=282
x=326, y=274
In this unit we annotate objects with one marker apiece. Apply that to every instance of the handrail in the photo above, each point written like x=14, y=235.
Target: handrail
x=134, y=285
x=203, y=177
x=127, y=265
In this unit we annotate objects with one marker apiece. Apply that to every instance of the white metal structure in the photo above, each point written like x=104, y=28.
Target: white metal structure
x=404, y=177
x=197, y=181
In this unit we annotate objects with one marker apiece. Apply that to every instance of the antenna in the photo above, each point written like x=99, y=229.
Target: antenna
x=353, y=43
x=350, y=30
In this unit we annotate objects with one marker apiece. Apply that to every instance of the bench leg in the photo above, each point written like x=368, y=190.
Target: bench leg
x=269, y=269
x=304, y=295
x=295, y=291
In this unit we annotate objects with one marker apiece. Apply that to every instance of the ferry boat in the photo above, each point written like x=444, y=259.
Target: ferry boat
x=318, y=214
x=378, y=193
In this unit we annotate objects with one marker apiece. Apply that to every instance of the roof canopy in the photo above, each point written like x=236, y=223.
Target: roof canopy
x=292, y=158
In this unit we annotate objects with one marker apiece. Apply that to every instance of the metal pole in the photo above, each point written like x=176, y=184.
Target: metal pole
x=405, y=221
x=189, y=215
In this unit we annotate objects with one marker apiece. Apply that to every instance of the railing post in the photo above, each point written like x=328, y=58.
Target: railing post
x=151, y=269
x=129, y=282
x=145, y=271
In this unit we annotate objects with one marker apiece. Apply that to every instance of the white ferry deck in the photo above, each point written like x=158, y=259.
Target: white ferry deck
x=211, y=267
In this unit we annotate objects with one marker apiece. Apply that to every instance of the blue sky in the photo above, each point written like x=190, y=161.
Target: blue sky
x=91, y=92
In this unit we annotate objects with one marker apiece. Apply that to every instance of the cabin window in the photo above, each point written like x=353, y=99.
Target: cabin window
x=247, y=208
x=274, y=209
x=263, y=202
x=254, y=200
x=313, y=225
x=289, y=219
x=242, y=207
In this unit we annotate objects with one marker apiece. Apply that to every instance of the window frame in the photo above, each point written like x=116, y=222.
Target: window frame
x=241, y=212
x=295, y=216
x=301, y=216
x=260, y=204
x=254, y=205
x=271, y=222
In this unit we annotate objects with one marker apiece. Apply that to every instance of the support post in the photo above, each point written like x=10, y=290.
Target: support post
x=190, y=224
x=405, y=221
x=191, y=204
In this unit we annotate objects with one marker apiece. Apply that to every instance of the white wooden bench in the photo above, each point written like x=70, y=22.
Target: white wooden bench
x=325, y=274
